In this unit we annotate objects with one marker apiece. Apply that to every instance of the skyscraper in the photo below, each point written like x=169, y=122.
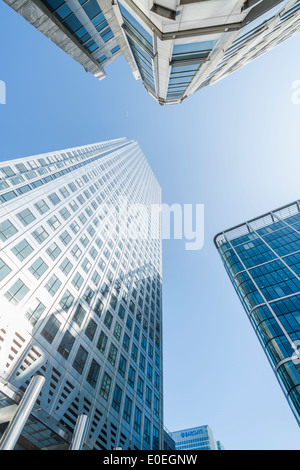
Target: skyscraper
x=174, y=46
x=81, y=295
x=199, y=438
x=262, y=260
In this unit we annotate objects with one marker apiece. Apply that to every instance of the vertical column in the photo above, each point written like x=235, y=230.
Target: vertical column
x=79, y=433
x=15, y=427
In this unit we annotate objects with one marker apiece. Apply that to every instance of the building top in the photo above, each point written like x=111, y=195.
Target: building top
x=174, y=46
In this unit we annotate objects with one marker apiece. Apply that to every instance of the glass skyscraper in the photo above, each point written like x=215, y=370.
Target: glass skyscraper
x=262, y=260
x=81, y=295
x=175, y=47
x=199, y=438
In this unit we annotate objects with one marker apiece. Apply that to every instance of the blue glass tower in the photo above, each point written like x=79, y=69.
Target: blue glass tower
x=262, y=260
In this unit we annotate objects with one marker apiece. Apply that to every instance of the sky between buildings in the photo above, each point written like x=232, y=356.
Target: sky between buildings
x=233, y=147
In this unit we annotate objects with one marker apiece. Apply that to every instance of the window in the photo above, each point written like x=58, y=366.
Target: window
x=64, y=192
x=53, y=222
x=26, y=217
x=126, y=342
x=147, y=430
x=53, y=251
x=134, y=352
x=117, y=397
x=65, y=237
x=66, y=345
x=129, y=323
x=75, y=227
x=95, y=278
x=77, y=281
x=38, y=268
x=122, y=366
x=105, y=386
x=136, y=332
x=66, y=266
x=131, y=377
x=156, y=406
x=86, y=265
x=88, y=295
x=137, y=420
x=41, y=206
x=40, y=234
x=149, y=371
x=140, y=387
x=127, y=409
x=117, y=331
x=65, y=213
x=98, y=309
x=93, y=374
x=148, y=397
x=79, y=315
x=53, y=285
x=16, y=292
x=91, y=329
x=54, y=199
x=155, y=438
x=112, y=355
x=121, y=312
x=50, y=329
x=156, y=380
x=80, y=360
x=76, y=251
x=7, y=230
x=4, y=270
x=108, y=320
x=66, y=301
x=102, y=342
x=84, y=240
x=35, y=311
x=142, y=362
x=22, y=250
x=7, y=171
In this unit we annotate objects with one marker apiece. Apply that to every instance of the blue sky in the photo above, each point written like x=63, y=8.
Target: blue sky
x=233, y=147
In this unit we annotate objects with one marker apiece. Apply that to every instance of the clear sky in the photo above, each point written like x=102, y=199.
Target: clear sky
x=233, y=147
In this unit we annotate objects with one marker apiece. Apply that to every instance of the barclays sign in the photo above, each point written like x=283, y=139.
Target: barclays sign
x=195, y=432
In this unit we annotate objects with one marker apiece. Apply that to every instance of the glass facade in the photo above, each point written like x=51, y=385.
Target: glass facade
x=262, y=259
x=81, y=290
x=86, y=22
x=199, y=438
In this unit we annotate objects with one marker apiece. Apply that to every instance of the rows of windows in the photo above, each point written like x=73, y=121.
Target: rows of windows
x=141, y=45
x=76, y=25
x=99, y=284
x=251, y=33
x=7, y=196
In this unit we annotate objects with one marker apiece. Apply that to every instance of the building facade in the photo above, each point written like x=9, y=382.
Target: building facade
x=169, y=443
x=199, y=438
x=262, y=260
x=81, y=294
x=175, y=47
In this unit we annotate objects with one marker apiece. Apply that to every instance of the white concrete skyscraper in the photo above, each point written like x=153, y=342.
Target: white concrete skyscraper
x=80, y=296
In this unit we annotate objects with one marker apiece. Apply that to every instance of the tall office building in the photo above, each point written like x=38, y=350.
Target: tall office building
x=262, y=260
x=80, y=295
x=199, y=438
x=174, y=46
